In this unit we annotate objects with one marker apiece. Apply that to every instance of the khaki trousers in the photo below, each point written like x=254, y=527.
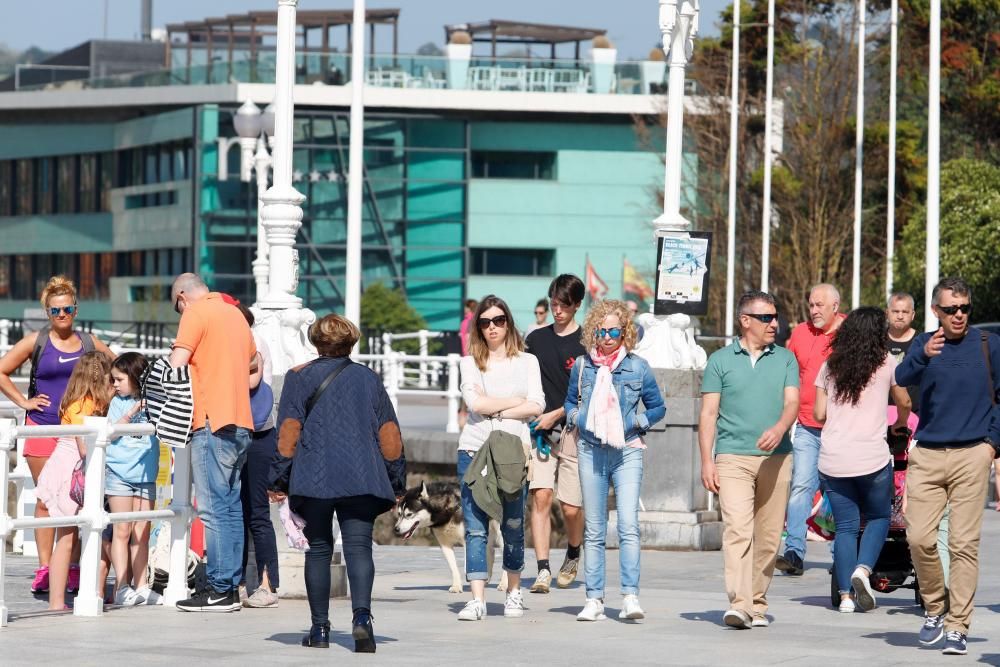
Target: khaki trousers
x=935, y=478
x=753, y=493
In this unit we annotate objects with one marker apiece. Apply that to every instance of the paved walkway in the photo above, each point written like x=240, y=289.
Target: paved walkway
x=415, y=622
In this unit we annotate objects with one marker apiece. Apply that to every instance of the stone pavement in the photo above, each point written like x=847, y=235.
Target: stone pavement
x=415, y=623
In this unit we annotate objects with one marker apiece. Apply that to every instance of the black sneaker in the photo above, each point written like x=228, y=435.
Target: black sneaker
x=933, y=630
x=790, y=563
x=362, y=631
x=211, y=601
x=954, y=643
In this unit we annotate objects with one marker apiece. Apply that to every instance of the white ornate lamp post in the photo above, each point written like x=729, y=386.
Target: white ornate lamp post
x=669, y=342
x=352, y=282
x=281, y=319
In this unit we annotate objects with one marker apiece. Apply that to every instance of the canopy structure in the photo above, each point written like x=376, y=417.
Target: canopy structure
x=256, y=31
x=496, y=31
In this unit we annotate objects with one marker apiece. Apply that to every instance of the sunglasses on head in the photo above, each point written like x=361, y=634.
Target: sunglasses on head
x=55, y=310
x=766, y=318
x=500, y=321
x=614, y=332
x=951, y=310
x=177, y=303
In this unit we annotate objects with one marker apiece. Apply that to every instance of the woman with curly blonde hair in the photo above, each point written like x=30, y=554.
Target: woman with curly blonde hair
x=605, y=388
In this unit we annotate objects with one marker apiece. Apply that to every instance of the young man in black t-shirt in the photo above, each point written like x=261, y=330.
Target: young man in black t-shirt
x=900, y=311
x=557, y=347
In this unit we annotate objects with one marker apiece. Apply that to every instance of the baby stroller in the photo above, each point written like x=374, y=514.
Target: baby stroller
x=894, y=568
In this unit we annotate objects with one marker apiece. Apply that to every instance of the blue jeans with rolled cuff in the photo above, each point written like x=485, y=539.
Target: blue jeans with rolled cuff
x=805, y=481
x=477, y=528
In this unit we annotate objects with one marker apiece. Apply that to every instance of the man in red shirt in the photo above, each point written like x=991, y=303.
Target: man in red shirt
x=810, y=343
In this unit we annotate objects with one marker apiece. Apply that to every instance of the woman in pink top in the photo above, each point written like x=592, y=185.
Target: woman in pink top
x=855, y=467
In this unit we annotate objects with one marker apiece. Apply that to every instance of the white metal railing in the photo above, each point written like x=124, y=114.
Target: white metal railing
x=393, y=369
x=92, y=519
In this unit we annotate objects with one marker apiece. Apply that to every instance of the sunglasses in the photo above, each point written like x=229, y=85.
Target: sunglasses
x=69, y=310
x=177, y=303
x=615, y=332
x=951, y=310
x=766, y=318
x=500, y=321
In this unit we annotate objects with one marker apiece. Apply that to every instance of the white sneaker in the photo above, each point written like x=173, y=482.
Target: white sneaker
x=125, y=597
x=474, y=610
x=759, y=621
x=846, y=606
x=149, y=596
x=630, y=609
x=514, y=606
x=861, y=581
x=592, y=611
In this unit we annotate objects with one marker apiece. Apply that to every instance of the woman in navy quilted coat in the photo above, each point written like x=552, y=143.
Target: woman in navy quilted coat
x=337, y=454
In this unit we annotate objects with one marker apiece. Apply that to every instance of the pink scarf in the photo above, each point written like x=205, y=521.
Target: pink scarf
x=604, y=415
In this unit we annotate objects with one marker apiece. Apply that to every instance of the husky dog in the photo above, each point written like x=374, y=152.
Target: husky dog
x=438, y=506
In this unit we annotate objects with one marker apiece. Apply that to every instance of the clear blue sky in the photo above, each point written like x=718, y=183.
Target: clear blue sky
x=58, y=24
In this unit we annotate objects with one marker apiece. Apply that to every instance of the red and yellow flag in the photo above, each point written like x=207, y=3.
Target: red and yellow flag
x=633, y=283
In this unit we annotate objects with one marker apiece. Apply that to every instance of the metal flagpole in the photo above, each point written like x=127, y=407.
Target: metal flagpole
x=733, y=149
x=765, y=242
x=933, y=164
x=890, y=222
x=859, y=138
x=352, y=291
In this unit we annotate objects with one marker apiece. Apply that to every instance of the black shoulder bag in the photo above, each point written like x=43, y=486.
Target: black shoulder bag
x=281, y=466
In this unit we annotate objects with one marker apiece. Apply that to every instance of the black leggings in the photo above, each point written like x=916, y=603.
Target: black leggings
x=356, y=516
x=257, y=508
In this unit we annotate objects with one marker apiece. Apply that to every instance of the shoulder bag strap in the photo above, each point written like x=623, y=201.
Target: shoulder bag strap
x=322, y=387
x=36, y=354
x=984, y=338
x=579, y=381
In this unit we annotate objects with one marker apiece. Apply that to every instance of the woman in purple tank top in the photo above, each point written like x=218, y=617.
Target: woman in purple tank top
x=59, y=355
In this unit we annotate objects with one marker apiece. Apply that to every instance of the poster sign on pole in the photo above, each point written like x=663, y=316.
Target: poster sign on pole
x=683, y=266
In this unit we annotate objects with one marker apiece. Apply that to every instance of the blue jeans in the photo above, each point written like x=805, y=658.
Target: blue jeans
x=850, y=498
x=356, y=516
x=216, y=461
x=601, y=466
x=805, y=481
x=477, y=527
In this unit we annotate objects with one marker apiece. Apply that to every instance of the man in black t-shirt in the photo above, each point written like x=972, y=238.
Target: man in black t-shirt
x=900, y=311
x=557, y=347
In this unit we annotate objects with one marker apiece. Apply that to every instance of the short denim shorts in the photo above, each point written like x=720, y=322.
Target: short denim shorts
x=116, y=486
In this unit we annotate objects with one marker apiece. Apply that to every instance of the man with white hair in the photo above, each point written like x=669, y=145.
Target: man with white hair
x=810, y=343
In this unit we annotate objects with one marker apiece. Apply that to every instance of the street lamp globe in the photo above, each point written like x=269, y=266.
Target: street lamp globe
x=247, y=121
x=267, y=120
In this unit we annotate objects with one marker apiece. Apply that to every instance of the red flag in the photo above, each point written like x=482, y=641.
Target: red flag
x=633, y=283
x=596, y=287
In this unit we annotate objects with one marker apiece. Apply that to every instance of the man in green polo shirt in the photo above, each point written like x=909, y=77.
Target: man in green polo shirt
x=750, y=396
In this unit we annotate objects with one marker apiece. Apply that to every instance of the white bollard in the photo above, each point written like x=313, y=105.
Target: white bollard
x=88, y=601
x=180, y=528
x=7, y=443
x=453, y=393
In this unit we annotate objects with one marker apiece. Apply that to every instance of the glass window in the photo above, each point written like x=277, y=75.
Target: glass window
x=511, y=262
x=88, y=183
x=68, y=189
x=6, y=187
x=107, y=167
x=24, y=287
x=25, y=188
x=166, y=163
x=513, y=164
x=5, y=277
x=107, y=270
x=45, y=184
x=43, y=271
x=87, y=283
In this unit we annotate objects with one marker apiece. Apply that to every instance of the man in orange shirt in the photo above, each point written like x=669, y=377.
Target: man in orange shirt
x=214, y=340
x=810, y=343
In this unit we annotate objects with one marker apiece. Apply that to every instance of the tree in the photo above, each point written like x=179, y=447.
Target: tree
x=386, y=310
x=970, y=235
x=430, y=49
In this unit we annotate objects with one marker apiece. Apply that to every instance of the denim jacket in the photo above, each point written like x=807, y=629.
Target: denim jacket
x=633, y=380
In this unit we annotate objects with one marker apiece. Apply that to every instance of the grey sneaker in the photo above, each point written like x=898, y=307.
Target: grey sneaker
x=863, y=592
x=954, y=643
x=262, y=598
x=542, y=582
x=933, y=630
x=567, y=573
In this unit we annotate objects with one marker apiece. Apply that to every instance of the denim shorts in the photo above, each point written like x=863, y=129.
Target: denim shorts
x=116, y=486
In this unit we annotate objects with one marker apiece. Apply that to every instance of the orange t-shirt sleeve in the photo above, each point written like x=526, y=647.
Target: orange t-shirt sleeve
x=190, y=331
x=77, y=410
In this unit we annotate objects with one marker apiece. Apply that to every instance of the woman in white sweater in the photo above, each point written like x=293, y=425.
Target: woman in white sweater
x=502, y=387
